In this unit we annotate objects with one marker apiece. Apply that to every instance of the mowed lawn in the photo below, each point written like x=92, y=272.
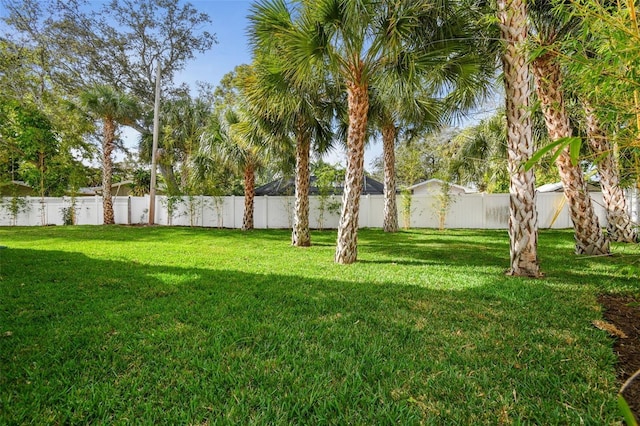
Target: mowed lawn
x=167, y=325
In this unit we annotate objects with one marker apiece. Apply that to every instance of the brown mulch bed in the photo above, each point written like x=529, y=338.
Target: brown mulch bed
x=623, y=312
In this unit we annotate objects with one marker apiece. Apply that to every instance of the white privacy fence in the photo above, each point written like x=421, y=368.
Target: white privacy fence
x=484, y=211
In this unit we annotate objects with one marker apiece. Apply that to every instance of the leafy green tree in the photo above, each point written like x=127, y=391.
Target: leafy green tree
x=112, y=109
x=31, y=144
x=479, y=153
x=327, y=177
x=118, y=44
x=421, y=96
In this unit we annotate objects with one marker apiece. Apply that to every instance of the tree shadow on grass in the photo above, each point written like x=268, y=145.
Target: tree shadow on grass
x=88, y=340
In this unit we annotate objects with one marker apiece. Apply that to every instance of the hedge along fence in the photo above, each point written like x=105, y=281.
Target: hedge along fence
x=480, y=211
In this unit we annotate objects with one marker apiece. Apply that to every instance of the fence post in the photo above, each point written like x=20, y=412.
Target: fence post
x=233, y=211
x=95, y=197
x=266, y=211
x=201, y=211
x=484, y=211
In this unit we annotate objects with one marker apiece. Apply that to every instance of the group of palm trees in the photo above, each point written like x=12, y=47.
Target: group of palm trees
x=328, y=70
x=383, y=66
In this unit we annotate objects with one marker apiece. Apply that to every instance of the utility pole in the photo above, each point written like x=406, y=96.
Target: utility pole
x=154, y=151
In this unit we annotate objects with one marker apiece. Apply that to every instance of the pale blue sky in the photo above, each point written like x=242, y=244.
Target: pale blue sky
x=230, y=26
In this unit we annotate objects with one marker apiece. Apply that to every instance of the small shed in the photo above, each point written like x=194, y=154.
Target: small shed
x=286, y=186
x=435, y=187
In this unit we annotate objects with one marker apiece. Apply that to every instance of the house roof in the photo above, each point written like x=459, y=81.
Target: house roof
x=286, y=186
x=440, y=182
x=16, y=187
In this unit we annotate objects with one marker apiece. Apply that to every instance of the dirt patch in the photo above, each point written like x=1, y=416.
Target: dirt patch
x=623, y=312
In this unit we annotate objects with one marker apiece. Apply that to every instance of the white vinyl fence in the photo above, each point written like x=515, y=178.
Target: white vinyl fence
x=485, y=211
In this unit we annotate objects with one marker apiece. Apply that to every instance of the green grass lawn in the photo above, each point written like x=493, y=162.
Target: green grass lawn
x=194, y=326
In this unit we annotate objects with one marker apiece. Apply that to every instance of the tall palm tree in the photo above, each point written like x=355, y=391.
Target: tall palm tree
x=523, y=218
x=354, y=41
x=389, y=112
x=301, y=114
x=113, y=109
x=619, y=225
x=227, y=140
x=549, y=28
x=420, y=100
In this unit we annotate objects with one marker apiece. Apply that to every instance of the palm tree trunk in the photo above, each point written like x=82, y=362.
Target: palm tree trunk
x=165, y=164
x=390, y=223
x=619, y=226
x=249, y=195
x=301, y=237
x=358, y=104
x=184, y=177
x=523, y=217
x=107, y=170
x=588, y=235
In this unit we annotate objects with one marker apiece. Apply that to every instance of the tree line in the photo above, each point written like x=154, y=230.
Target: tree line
x=336, y=72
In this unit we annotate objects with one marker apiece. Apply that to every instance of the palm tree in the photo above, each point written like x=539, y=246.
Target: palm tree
x=523, y=218
x=113, y=109
x=226, y=139
x=477, y=155
x=354, y=41
x=549, y=28
x=418, y=102
x=289, y=110
x=184, y=120
x=620, y=228
x=389, y=111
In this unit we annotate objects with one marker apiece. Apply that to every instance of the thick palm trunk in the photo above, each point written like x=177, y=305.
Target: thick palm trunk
x=619, y=225
x=523, y=217
x=107, y=171
x=390, y=222
x=301, y=237
x=588, y=235
x=358, y=103
x=249, y=195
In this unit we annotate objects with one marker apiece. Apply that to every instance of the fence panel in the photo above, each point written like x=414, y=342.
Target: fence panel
x=490, y=211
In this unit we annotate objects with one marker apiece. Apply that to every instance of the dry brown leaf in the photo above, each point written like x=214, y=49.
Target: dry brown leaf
x=609, y=328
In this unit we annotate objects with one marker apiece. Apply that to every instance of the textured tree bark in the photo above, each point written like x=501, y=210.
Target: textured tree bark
x=588, y=236
x=301, y=237
x=390, y=222
x=358, y=103
x=107, y=171
x=249, y=195
x=523, y=217
x=620, y=228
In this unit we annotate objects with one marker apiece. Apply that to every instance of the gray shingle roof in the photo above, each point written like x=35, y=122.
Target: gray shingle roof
x=286, y=186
